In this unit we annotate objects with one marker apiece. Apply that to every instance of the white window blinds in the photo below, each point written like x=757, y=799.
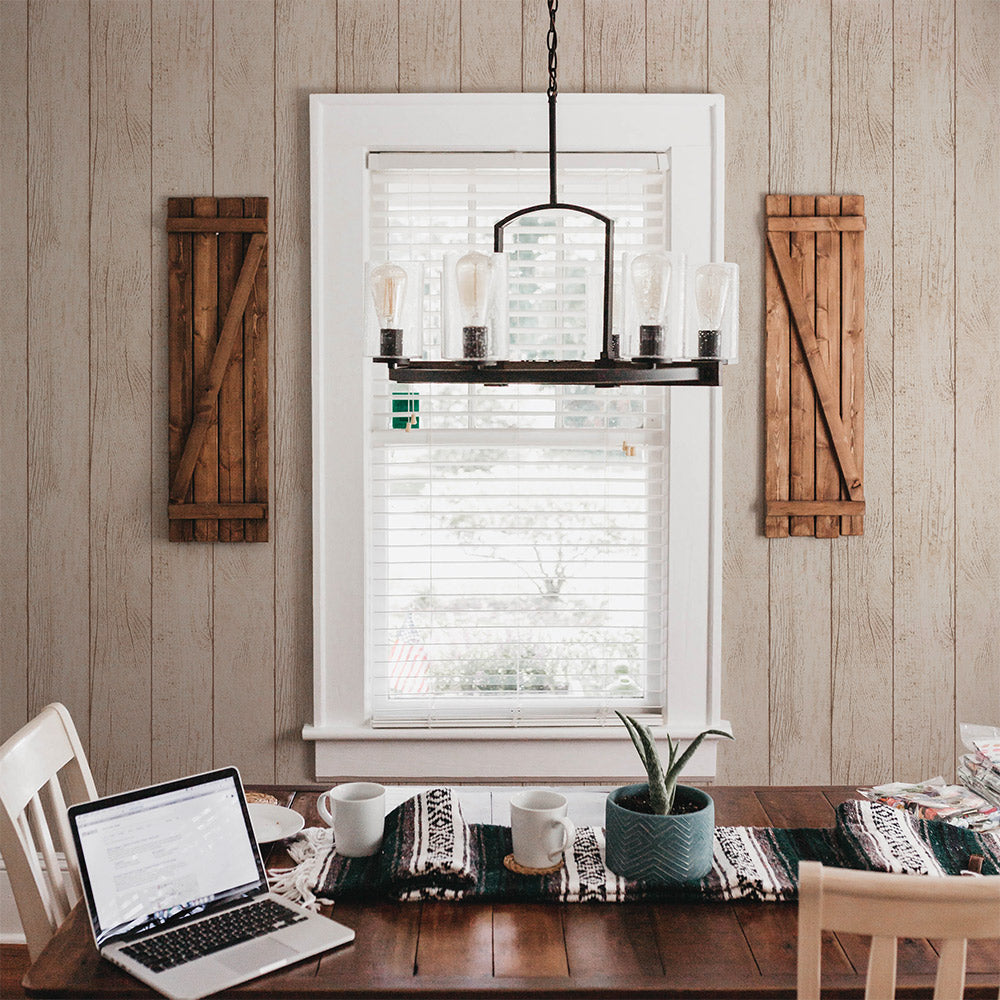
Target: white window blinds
x=516, y=543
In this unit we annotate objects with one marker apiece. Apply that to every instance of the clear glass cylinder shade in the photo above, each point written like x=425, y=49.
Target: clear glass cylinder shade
x=475, y=326
x=654, y=290
x=393, y=298
x=712, y=312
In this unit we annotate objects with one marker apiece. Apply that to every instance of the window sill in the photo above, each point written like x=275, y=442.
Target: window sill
x=592, y=753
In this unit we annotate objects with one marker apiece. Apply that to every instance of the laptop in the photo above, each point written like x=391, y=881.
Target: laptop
x=176, y=890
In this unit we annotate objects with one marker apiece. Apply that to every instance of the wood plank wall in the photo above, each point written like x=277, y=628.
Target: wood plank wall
x=849, y=660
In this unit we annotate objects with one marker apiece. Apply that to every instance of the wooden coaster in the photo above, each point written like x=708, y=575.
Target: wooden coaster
x=261, y=797
x=511, y=865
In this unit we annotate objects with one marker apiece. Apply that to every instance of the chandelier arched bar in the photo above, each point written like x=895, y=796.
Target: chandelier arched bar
x=609, y=369
x=608, y=350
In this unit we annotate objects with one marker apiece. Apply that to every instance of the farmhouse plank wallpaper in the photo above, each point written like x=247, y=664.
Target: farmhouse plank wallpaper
x=848, y=660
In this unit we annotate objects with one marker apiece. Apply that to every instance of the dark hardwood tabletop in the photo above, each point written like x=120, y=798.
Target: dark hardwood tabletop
x=468, y=949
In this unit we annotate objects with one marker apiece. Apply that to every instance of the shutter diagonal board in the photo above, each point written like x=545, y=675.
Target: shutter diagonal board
x=217, y=253
x=814, y=366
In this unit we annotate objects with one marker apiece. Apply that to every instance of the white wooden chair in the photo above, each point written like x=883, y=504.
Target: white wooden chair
x=44, y=754
x=886, y=907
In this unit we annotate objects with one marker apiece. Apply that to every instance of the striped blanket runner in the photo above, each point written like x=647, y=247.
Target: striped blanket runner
x=429, y=852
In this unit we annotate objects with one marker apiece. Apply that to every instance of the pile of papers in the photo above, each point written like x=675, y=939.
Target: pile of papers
x=954, y=804
x=979, y=770
x=974, y=804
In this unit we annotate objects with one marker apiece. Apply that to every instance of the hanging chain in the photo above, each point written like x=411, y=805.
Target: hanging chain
x=552, y=40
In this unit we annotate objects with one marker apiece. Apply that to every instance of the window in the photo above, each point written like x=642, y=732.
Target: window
x=516, y=537
x=496, y=570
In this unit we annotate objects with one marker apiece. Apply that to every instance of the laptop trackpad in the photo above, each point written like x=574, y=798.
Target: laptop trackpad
x=262, y=953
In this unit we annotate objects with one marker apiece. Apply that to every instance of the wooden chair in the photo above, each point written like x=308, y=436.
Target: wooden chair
x=46, y=753
x=886, y=907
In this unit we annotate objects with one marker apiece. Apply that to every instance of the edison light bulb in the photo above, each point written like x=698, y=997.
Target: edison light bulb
x=388, y=284
x=474, y=278
x=711, y=291
x=650, y=286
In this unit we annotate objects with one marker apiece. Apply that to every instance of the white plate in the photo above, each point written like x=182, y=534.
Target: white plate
x=272, y=823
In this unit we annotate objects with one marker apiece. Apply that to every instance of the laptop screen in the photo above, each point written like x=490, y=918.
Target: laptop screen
x=165, y=853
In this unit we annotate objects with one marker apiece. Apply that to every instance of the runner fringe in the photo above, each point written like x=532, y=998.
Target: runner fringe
x=312, y=851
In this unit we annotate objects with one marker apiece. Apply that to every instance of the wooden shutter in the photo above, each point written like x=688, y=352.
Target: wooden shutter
x=217, y=254
x=814, y=365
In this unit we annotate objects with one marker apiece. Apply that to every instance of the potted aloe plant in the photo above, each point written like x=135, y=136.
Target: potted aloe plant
x=660, y=832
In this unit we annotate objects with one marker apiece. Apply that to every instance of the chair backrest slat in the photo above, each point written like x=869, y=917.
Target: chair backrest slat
x=28, y=862
x=57, y=811
x=53, y=869
x=950, y=981
x=881, y=980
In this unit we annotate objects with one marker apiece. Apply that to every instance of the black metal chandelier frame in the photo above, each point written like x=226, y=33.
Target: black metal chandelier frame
x=610, y=369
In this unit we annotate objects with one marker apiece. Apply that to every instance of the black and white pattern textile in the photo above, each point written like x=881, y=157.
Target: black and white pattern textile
x=887, y=839
x=880, y=838
x=429, y=852
x=584, y=877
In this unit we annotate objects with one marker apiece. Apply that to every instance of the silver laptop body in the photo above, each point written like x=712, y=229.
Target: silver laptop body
x=170, y=859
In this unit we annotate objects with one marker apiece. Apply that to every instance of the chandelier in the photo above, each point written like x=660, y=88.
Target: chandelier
x=667, y=297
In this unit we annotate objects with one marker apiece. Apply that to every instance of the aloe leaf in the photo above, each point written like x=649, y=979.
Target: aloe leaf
x=658, y=799
x=669, y=791
x=650, y=757
x=672, y=749
x=633, y=730
x=654, y=769
x=675, y=769
x=670, y=776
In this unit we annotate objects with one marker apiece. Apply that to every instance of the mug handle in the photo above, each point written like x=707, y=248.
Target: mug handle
x=322, y=809
x=569, y=835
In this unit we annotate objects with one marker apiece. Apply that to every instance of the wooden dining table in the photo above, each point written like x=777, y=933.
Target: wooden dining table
x=472, y=949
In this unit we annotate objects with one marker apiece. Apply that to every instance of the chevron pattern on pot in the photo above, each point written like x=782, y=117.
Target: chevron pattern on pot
x=644, y=850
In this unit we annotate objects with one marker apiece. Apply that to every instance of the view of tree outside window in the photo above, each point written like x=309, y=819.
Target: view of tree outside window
x=517, y=562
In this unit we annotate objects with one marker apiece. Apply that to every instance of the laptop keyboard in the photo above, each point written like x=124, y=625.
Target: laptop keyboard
x=185, y=944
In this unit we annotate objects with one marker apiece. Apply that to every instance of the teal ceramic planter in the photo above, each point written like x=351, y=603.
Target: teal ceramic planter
x=660, y=850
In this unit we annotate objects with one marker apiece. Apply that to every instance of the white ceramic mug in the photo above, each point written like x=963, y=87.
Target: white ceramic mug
x=356, y=812
x=539, y=827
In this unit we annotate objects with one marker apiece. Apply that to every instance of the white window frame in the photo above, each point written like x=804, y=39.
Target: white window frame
x=344, y=129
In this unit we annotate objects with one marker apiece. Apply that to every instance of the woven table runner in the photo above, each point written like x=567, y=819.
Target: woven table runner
x=430, y=852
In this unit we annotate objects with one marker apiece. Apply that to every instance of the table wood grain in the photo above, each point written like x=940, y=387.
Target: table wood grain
x=472, y=950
